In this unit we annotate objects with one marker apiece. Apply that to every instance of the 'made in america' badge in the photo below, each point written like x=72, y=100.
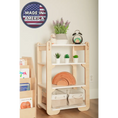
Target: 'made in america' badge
x=34, y=14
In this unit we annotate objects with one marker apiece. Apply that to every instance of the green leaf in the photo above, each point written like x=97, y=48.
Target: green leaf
x=66, y=56
x=75, y=56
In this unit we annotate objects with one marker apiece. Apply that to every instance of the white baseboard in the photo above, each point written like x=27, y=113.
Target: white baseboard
x=93, y=93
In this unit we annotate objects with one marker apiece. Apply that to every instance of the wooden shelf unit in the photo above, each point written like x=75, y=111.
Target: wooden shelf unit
x=49, y=66
x=29, y=112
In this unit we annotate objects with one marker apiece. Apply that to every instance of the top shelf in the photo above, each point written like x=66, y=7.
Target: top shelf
x=64, y=45
x=68, y=44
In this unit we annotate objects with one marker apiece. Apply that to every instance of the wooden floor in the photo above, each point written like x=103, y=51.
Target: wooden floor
x=74, y=113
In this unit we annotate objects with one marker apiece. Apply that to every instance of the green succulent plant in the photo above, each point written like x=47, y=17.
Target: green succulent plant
x=66, y=56
x=57, y=55
x=75, y=56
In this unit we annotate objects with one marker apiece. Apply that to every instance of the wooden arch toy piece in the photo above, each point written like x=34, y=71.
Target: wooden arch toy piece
x=63, y=82
x=59, y=79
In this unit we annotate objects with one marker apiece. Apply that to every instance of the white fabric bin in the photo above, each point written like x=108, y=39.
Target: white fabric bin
x=75, y=97
x=59, y=99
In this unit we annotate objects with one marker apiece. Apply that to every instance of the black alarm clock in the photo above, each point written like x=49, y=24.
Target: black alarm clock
x=77, y=37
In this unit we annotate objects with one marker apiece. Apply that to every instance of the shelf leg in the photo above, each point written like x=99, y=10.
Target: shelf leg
x=39, y=75
x=74, y=67
x=86, y=88
x=49, y=80
x=87, y=101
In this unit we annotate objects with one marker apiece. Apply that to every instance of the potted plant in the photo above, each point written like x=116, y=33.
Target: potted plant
x=57, y=55
x=66, y=57
x=75, y=58
x=61, y=30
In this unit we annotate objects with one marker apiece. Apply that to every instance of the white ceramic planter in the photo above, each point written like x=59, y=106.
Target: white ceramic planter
x=66, y=60
x=61, y=39
x=57, y=60
x=75, y=60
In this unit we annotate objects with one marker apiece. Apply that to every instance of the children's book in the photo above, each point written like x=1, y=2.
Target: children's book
x=26, y=103
x=22, y=62
x=24, y=73
x=24, y=86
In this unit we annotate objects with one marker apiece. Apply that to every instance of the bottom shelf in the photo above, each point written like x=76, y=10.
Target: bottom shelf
x=63, y=108
x=69, y=107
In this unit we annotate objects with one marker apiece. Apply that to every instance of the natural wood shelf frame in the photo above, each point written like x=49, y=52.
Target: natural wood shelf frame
x=49, y=66
x=29, y=112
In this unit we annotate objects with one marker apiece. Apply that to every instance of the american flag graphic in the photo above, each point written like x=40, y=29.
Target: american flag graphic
x=34, y=15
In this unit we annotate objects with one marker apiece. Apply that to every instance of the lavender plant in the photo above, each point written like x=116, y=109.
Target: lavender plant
x=61, y=27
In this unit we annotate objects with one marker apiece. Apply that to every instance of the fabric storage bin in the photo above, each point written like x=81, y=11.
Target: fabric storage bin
x=75, y=97
x=59, y=99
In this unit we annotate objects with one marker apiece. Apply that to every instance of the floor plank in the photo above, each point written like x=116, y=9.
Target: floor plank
x=73, y=113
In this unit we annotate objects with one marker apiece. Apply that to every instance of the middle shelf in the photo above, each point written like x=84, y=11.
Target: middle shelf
x=60, y=87
x=71, y=63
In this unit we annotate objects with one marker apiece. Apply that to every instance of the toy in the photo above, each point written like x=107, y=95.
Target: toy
x=64, y=79
x=77, y=37
x=53, y=39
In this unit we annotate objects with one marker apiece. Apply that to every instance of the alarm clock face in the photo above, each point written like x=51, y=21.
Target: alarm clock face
x=77, y=39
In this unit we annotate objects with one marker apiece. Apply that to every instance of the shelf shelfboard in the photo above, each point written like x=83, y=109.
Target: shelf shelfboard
x=64, y=44
x=70, y=86
x=27, y=113
x=63, y=108
x=69, y=107
x=42, y=85
x=62, y=64
x=42, y=105
x=71, y=63
x=43, y=64
x=68, y=44
x=60, y=87
x=25, y=80
x=24, y=66
x=26, y=94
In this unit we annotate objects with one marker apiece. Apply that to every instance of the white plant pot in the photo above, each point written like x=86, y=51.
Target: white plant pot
x=57, y=60
x=61, y=39
x=75, y=60
x=66, y=60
